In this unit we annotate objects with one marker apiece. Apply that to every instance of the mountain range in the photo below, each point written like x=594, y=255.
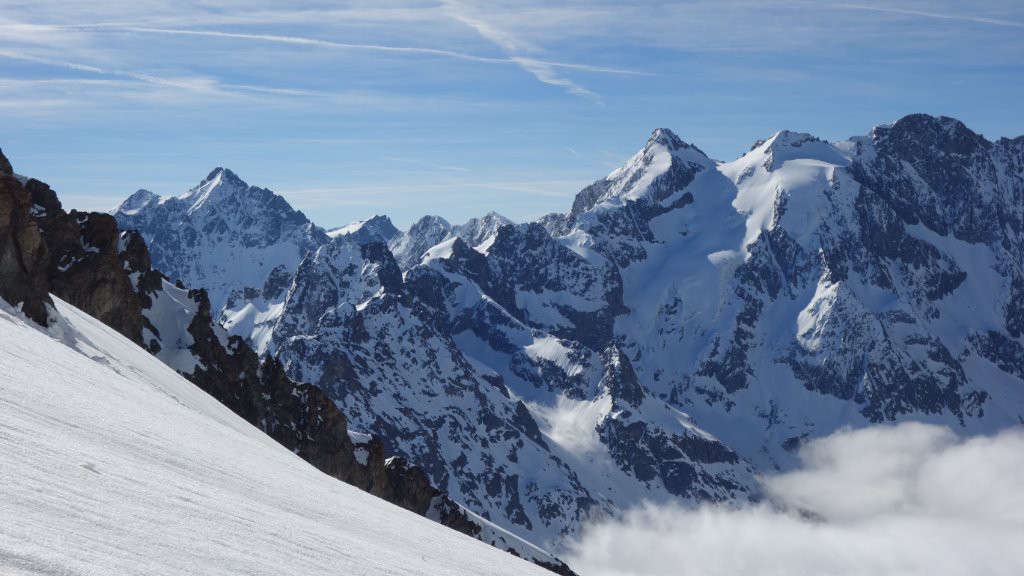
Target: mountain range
x=684, y=326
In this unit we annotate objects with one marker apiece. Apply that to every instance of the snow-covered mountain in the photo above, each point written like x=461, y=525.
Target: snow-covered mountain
x=115, y=464
x=223, y=235
x=684, y=325
x=409, y=247
x=376, y=229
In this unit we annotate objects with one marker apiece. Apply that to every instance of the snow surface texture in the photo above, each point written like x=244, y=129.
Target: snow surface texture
x=114, y=464
x=687, y=324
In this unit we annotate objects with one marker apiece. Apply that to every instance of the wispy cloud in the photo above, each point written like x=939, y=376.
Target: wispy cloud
x=198, y=84
x=308, y=41
x=297, y=40
x=541, y=70
x=204, y=85
x=922, y=13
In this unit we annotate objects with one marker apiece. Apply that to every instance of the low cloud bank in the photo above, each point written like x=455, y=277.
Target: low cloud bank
x=910, y=499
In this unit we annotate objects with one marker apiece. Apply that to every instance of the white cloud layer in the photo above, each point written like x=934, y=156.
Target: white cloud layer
x=911, y=499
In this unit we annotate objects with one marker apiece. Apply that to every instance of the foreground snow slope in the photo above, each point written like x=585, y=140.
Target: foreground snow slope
x=114, y=464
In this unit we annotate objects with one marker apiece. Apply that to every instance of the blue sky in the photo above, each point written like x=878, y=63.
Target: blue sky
x=457, y=107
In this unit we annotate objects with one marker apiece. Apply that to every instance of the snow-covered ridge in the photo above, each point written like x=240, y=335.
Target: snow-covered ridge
x=109, y=453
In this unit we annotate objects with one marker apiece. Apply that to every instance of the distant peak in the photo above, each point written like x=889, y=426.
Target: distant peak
x=673, y=144
x=429, y=221
x=918, y=135
x=785, y=145
x=377, y=228
x=666, y=138
x=224, y=175
x=926, y=123
x=139, y=199
x=494, y=216
x=922, y=119
x=788, y=139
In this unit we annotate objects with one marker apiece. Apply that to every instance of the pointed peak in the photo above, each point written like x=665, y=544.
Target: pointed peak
x=670, y=141
x=223, y=175
x=221, y=183
x=444, y=250
x=140, y=199
x=665, y=166
x=667, y=138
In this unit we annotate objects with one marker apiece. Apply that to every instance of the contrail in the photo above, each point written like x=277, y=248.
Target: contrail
x=921, y=13
x=200, y=85
x=304, y=41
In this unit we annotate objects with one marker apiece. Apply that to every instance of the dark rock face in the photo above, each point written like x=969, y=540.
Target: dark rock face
x=651, y=453
x=23, y=256
x=526, y=266
x=86, y=269
x=944, y=153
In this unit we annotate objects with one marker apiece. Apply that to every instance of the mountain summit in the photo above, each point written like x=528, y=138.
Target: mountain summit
x=223, y=234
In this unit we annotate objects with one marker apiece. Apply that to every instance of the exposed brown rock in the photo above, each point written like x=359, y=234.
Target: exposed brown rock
x=23, y=256
x=5, y=165
x=85, y=267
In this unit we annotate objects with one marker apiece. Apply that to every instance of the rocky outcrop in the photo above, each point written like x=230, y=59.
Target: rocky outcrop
x=23, y=256
x=85, y=268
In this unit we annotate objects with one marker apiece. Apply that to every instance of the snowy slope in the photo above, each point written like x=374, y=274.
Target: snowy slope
x=113, y=464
